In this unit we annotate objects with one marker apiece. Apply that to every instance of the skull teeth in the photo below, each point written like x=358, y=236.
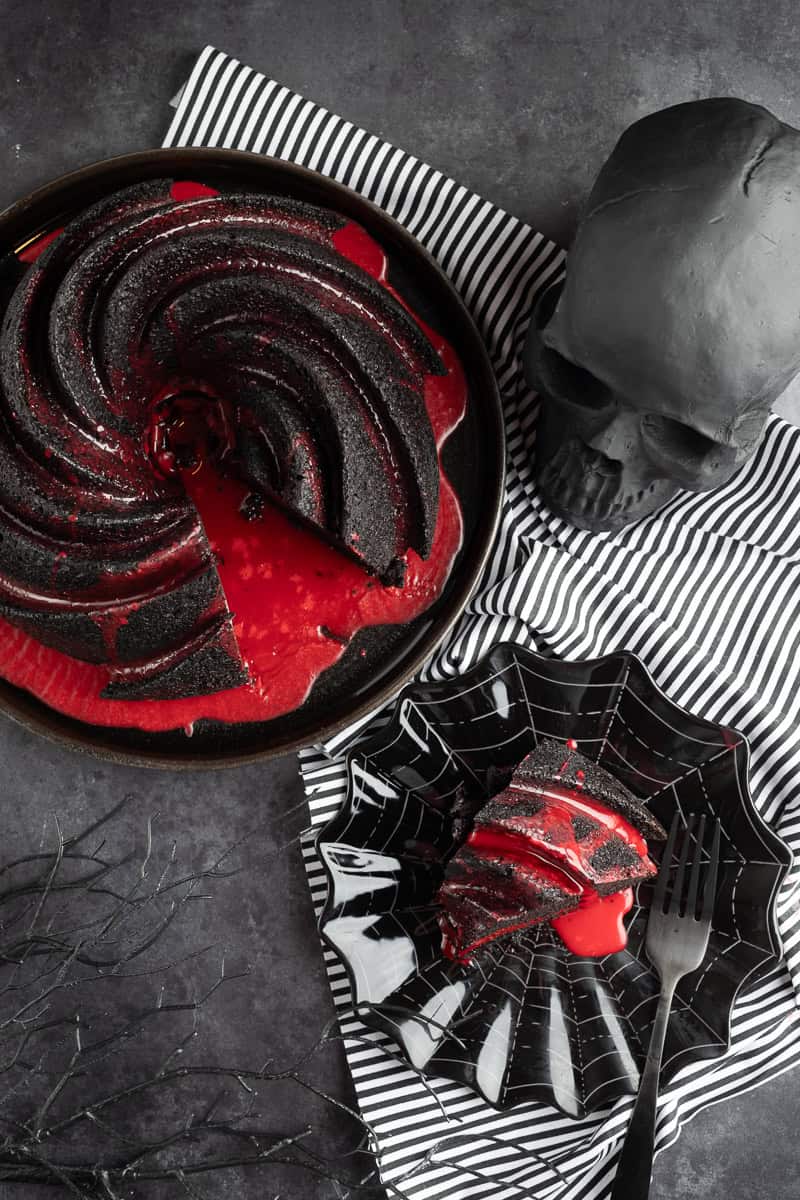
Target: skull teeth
x=583, y=482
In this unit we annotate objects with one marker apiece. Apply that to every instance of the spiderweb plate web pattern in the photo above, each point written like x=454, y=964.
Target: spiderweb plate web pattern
x=529, y=1019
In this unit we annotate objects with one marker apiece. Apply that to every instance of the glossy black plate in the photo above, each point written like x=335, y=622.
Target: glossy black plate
x=528, y=1019
x=474, y=459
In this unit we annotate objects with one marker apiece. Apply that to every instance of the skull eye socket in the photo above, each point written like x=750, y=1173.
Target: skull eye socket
x=570, y=384
x=551, y=373
x=684, y=454
x=673, y=438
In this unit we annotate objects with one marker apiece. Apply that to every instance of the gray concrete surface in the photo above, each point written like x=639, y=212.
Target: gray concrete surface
x=519, y=100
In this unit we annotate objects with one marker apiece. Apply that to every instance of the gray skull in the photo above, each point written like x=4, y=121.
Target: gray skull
x=678, y=322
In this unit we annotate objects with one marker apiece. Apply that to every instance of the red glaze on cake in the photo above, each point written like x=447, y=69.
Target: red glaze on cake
x=219, y=463
x=564, y=842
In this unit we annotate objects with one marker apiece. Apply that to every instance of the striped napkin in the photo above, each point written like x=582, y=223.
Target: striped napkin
x=706, y=591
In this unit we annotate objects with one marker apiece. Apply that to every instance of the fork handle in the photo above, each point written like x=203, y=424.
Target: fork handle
x=635, y=1167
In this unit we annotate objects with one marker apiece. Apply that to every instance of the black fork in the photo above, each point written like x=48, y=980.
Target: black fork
x=677, y=940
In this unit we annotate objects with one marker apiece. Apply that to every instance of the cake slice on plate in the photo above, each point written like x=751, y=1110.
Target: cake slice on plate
x=564, y=835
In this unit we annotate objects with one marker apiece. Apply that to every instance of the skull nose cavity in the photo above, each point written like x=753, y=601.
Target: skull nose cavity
x=599, y=462
x=616, y=442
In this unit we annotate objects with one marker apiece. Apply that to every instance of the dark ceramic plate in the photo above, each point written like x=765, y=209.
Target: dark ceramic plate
x=473, y=457
x=528, y=1020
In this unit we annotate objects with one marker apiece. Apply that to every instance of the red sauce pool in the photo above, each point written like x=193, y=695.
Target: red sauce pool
x=596, y=927
x=297, y=601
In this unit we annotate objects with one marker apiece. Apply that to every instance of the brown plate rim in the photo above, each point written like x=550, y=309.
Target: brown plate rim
x=18, y=224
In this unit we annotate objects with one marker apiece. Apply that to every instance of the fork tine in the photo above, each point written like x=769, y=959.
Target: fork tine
x=694, y=878
x=676, y=899
x=666, y=864
x=710, y=888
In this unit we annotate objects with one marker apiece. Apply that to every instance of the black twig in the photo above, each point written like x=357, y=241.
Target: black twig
x=73, y=921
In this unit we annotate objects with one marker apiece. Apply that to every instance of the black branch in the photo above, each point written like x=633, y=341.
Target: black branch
x=101, y=1037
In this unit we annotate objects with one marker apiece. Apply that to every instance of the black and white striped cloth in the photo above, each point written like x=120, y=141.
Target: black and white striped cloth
x=707, y=592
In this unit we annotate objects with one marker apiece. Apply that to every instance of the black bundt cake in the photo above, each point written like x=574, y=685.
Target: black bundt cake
x=163, y=327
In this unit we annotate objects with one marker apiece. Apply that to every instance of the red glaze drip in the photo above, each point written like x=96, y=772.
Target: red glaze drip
x=554, y=820
x=187, y=189
x=297, y=601
x=596, y=927
x=571, y=746
x=31, y=252
x=553, y=863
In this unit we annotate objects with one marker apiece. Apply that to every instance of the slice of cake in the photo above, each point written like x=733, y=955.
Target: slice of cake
x=562, y=836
